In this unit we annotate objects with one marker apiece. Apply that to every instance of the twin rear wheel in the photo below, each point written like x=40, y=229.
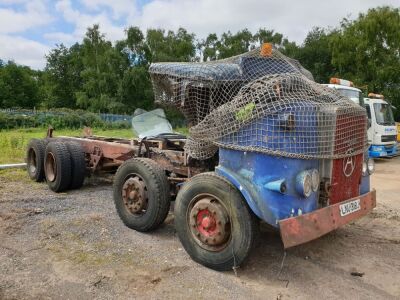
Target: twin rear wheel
x=213, y=222
x=61, y=164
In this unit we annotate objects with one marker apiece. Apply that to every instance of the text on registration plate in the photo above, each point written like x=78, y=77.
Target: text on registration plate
x=349, y=207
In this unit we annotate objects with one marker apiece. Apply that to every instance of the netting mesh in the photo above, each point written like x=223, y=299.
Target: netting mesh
x=260, y=101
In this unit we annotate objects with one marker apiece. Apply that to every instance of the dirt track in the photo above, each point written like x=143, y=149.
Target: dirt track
x=74, y=246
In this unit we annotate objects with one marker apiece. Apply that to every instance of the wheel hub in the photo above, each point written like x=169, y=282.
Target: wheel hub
x=134, y=195
x=32, y=161
x=51, y=167
x=209, y=223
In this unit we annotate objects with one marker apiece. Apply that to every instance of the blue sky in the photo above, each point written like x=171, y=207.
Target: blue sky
x=30, y=28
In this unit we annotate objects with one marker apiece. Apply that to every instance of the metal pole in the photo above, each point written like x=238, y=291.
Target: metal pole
x=11, y=166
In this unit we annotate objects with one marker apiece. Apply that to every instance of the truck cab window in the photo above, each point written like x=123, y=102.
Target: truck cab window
x=383, y=114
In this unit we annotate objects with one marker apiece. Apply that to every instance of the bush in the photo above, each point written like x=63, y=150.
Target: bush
x=58, y=119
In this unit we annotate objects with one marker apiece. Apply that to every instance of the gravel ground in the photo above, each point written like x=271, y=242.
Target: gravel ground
x=73, y=246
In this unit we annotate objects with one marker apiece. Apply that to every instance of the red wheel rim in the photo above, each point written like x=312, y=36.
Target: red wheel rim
x=209, y=222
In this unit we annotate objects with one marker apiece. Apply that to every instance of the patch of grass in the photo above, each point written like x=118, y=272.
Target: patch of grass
x=13, y=143
x=182, y=130
x=19, y=175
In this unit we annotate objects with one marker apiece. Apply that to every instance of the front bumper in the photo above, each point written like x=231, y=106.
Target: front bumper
x=382, y=151
x=307, y=227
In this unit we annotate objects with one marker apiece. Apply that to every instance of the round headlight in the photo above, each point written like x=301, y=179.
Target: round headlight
x=307, y=185
x=364, y=169
x=315, y=180
x=304, y=183
x=371, y=166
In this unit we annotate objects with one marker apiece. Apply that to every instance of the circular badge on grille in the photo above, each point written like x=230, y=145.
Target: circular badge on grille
x=348, y=166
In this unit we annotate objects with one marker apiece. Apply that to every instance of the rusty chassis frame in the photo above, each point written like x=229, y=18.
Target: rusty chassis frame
x=104, y=154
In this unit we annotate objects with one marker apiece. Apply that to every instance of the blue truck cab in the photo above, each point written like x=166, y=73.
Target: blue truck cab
x=281, y=148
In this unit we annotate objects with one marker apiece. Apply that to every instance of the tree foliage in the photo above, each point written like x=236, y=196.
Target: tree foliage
x=367, y=50
x=62, y=77
x=18, y=86
x=316, y=54
x=97, y=75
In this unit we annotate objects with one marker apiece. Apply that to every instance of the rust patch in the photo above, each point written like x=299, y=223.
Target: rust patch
x=307, y=227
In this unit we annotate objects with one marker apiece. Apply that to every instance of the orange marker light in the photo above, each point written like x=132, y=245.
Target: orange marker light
x=339, y=81
x=266, y=49
x=376, y=96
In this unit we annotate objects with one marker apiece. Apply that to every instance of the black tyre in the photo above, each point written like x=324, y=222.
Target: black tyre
x=57, y=166
x=214, y=223
x=141, y=194
x=35, y=159
x=78, y=165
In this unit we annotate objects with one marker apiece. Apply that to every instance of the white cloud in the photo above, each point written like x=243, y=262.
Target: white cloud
x=23, y=51
x=34, y=14
x=82, y=21
x=120, y=8
x=292, y=18
x=60, y=38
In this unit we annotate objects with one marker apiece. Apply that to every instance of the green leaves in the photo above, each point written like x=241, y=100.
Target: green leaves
x=367, y=51
x=18, y=86
x=98, y=75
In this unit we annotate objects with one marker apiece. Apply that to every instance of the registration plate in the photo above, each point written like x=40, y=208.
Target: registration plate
x=349, y=207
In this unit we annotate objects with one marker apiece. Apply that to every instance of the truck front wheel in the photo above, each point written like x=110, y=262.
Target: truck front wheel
x=214, y=223
x=141, y=194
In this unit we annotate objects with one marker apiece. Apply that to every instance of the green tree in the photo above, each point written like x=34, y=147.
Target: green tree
x=316, y=54
x=135, y=89
x=61, y=78
x=18, y=86
x=209, y=47
x=170, y=46
x=136, y=46
x=235, y=44
x=367, y=50
x=103, y=67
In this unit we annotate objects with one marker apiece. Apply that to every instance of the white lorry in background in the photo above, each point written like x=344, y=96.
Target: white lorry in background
x=347, y=89
x=382, y=130
x=381, y=126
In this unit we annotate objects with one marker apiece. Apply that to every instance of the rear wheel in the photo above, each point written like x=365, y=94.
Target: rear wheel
x=214, y=223
x=141, y=194
x=35, y=159
x=78, y=165
x=57, y=166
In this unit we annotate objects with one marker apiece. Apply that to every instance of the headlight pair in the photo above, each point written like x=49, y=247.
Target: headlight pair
x=307, y=182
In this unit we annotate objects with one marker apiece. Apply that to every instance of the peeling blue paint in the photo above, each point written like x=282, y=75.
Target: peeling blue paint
x=251, y=173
